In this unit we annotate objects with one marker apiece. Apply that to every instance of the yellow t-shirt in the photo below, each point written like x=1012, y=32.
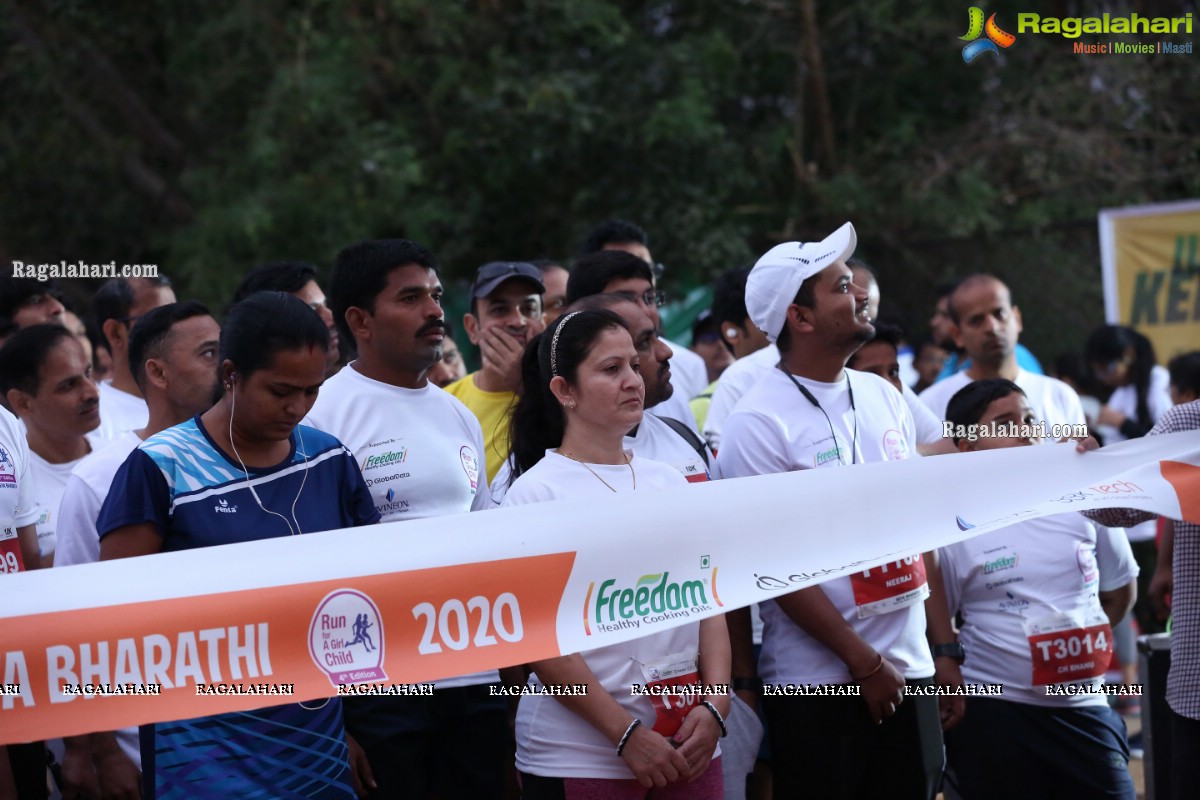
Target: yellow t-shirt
x=700, y=404
x=494, y=412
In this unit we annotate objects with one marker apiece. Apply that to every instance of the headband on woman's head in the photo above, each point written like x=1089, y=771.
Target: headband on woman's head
x=554, y=343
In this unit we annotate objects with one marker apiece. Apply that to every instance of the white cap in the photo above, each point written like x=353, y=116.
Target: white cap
x=776, y=278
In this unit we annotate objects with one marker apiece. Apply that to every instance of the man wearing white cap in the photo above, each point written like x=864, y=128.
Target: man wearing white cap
x=867, y=629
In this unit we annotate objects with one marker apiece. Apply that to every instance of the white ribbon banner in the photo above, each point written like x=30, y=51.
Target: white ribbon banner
x=415, y=601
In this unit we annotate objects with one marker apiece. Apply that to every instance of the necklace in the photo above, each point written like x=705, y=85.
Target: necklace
x=584, y=464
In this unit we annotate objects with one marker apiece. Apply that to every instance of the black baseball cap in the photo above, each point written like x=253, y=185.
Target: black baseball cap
x=494, y=273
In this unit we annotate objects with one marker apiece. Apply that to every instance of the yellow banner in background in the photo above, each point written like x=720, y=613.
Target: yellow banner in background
x=1151, y=263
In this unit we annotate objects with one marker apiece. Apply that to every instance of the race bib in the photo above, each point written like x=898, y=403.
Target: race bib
x=1069, y=646
x=890, y=587
x=10, y=552
x=665, y=686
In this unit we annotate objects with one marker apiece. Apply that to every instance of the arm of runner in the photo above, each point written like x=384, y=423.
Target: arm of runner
x=360, y=768
x=116, y=774
x=649, y=756
x=129, y=541
x=27, y=538
x=697, y=737
x=1117, y=602
x=1162, y=583
x=741, y=647
x=78, y=772
x=882, y=684
x=939, y=629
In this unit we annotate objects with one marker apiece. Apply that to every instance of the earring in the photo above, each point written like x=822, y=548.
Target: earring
x=570, y=404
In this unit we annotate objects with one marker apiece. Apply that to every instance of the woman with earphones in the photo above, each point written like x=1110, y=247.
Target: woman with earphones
x=244, y=470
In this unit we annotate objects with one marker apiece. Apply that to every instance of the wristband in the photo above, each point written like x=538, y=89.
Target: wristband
x=719, y=718
x=628, y=732
x=748, y=685
x=878, y=667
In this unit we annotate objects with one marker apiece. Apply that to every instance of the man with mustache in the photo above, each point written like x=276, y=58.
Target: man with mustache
x=46, y=379
x=422, y=455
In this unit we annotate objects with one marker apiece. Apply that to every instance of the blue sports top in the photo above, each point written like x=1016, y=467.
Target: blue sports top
x=197, y=496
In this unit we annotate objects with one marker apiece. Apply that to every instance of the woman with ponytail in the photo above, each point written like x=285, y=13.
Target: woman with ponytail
x=1123, y=360
x=581, y=393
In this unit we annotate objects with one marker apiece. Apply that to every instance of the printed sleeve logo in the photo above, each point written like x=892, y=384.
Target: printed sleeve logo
x=8, y=470
x=894, y=445
x=470, y=464
x=996, y=37
x=345, y=638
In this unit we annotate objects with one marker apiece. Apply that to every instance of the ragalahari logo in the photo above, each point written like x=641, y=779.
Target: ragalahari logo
x=996, y=38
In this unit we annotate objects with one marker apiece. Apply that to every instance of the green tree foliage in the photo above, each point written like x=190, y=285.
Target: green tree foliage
x=207, y=137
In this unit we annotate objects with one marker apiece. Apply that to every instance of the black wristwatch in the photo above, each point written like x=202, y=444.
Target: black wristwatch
x=953, y=650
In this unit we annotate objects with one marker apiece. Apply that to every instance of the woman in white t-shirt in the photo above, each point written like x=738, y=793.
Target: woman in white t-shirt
x=1038, y=601
x=581, y=393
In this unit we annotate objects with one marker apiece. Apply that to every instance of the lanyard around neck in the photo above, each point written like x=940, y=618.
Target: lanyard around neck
x=817, y=405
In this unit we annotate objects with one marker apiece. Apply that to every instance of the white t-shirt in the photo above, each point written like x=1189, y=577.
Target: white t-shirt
x=420, y=452
x=120, y=412
x=689, y=375
x=553, y=741
x=49, y=482
x=1022, y=574
x=88, y=485
x=1052, y=401
x=928, y=425
x=735, y=381
x=17, y=505
x=657, y=441
x=776, y=429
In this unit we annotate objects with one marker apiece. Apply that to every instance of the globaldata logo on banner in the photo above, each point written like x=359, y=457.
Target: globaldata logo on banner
x=652, y=598
x=345, y=638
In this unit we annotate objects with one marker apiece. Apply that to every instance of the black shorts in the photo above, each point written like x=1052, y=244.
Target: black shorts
x=1004, y=749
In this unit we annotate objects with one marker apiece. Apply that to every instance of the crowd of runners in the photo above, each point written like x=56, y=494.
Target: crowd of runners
x=141, y=424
